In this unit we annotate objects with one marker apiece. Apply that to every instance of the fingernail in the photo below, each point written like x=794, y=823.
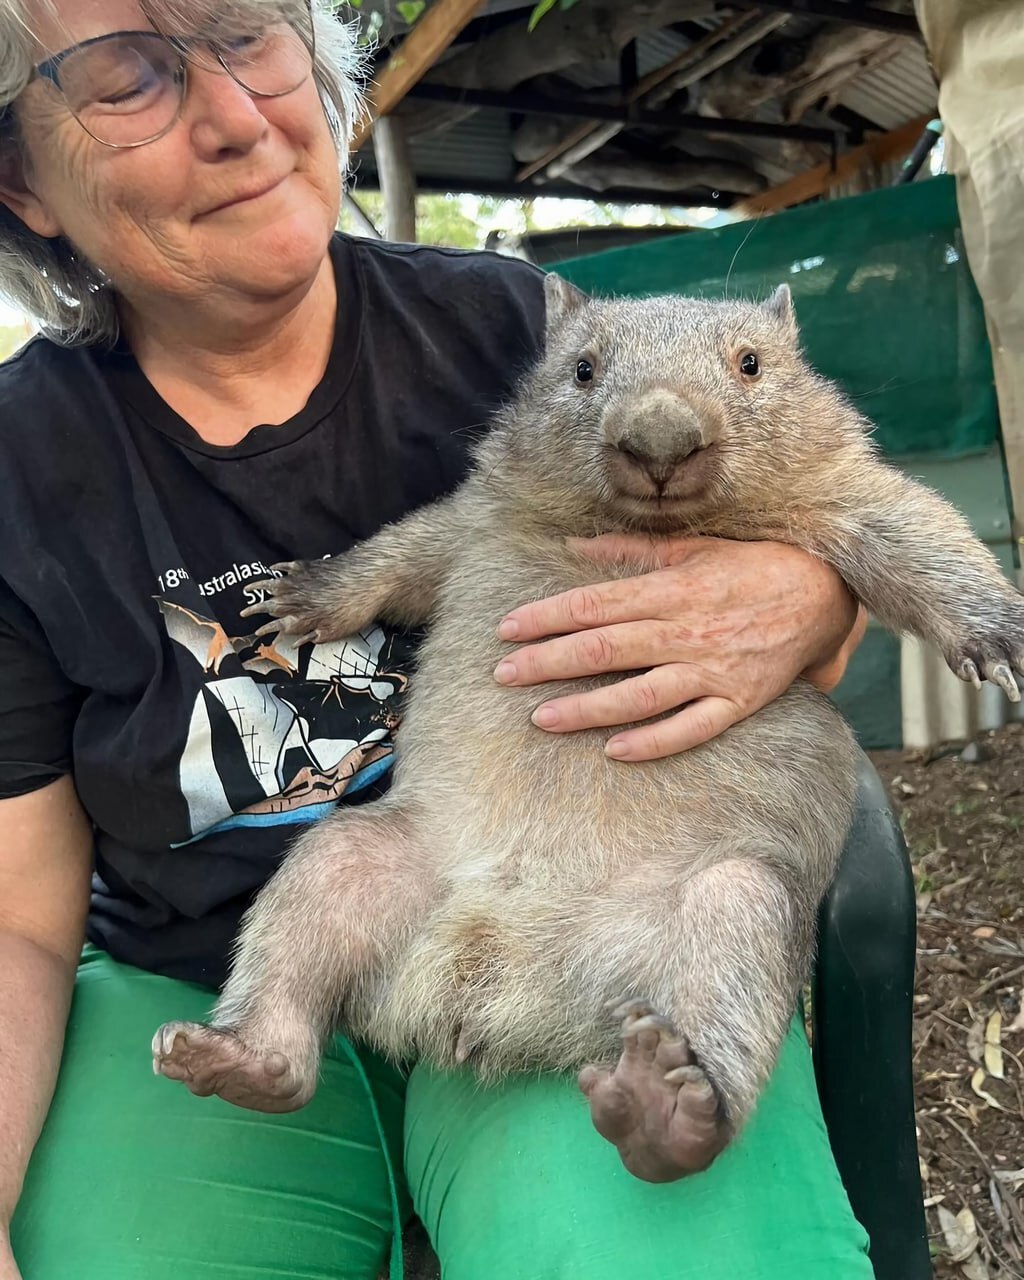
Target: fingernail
x=617, y=747
x=544, y=717
x=505, y=672
x=509, y=629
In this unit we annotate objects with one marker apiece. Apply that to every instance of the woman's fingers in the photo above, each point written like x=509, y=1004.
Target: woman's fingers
x=584, y=608
x=625, y=647
x=636, y=698
x=697, y=723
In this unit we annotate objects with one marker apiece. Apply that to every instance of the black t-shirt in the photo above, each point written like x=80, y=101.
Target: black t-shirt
x=127, y=545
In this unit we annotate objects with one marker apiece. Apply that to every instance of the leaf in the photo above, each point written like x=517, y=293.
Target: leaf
x=977, y=1080
x=539, y=11
x=993, y=1048
x=975, y=1269
x=976, y=1042
x=411, y=9
x=960, y=1231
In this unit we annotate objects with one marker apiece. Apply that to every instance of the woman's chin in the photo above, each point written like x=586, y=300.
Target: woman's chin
x=274, y=258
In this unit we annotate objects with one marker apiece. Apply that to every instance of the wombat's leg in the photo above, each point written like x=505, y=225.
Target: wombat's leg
x=394, y=576
x=736, y=944
x=917, y=565
x=328, y=923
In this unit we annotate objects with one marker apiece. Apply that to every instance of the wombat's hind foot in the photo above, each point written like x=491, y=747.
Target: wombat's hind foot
x=656, y=1105
x=209, y=1060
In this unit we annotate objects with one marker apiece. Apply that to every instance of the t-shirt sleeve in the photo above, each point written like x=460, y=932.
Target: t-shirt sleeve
x=38, y=704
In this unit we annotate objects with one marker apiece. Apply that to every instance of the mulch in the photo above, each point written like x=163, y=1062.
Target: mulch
x=963, y=820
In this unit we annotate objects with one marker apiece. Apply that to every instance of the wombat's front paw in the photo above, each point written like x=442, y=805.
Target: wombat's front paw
x=995, y=653
x=308, y=602
x=210, y=1060
x=656, y=1105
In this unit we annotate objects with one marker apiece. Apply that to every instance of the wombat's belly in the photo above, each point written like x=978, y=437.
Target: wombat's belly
x=557, y=889
x=557, y=868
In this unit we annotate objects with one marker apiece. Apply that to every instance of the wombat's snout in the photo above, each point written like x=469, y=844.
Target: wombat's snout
x=652, y=436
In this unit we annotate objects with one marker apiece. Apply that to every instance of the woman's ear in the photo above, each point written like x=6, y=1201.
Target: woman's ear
x=16, y=191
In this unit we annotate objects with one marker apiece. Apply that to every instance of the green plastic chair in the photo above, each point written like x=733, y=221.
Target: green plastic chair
x=862, y=1016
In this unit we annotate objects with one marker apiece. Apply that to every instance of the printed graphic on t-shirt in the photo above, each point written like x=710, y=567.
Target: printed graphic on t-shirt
x=279, y=731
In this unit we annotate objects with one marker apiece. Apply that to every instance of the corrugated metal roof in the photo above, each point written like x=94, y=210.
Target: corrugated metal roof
x=478, y=149
x=896, y=91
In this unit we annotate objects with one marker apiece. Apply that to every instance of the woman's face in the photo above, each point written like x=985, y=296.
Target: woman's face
x=240, y=197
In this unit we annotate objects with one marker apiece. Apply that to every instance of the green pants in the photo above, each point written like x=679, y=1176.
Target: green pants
x=135, y=1179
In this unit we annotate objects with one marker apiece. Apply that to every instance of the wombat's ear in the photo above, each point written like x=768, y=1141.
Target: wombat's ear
x=561, y=299
x=780, y=307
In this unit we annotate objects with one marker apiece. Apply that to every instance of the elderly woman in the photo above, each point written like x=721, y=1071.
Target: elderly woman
x=224, y=382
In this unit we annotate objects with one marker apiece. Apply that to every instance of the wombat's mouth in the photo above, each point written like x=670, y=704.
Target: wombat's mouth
x=661, y=487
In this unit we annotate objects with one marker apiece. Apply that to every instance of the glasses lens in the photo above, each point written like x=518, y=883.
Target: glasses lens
x=124, y=90
x=269, y=55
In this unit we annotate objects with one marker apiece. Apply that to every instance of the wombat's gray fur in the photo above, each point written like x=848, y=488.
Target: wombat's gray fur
x=514, y=885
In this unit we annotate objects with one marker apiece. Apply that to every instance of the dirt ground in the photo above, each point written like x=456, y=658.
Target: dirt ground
x=964, y=824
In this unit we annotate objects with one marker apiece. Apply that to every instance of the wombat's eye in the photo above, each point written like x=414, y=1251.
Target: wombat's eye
x=584, y=371
x=750, y=366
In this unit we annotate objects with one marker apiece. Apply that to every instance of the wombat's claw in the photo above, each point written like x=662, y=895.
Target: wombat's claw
x=208, y=1060
x=994, y=659
x=999, y=673
x=656, y=1105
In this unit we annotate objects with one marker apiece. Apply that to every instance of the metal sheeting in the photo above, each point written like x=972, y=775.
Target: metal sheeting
x=896, y=91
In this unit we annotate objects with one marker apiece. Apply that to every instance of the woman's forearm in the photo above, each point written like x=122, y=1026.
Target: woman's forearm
x=35, y=993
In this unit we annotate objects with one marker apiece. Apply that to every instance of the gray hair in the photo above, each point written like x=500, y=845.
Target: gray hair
x=47, y=279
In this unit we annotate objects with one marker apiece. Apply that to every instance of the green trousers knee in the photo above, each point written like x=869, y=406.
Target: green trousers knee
x=135, y=1179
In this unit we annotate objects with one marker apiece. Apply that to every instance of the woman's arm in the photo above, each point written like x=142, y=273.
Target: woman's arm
x=718, y=628
x=45, y=869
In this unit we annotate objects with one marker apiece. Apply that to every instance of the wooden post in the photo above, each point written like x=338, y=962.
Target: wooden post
x=397, y=179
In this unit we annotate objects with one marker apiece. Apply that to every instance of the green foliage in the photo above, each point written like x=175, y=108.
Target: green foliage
x=411, y=9
x=545, y=6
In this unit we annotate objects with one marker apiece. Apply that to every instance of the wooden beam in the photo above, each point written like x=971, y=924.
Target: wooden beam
x=414, y=57
x=815, y=182
x=539, y=104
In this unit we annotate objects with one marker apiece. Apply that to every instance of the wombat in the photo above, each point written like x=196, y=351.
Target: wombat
x=514, y=887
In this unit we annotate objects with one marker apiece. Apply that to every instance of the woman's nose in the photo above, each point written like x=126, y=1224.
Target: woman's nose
x=221, y=114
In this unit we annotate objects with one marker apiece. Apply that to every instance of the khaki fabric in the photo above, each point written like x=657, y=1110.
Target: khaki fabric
x=977, y=51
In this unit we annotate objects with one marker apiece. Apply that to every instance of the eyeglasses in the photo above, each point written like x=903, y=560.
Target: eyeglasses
x=128, y=88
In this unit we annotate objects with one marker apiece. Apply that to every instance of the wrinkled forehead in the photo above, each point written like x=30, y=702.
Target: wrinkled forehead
x=58, y=24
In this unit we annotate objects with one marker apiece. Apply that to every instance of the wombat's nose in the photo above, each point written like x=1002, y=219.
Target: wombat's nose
x=653, y=434
x=660, y=466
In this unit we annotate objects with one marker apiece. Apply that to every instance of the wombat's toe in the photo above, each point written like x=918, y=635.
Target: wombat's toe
x=990, y=658
x=656, y=1105
x=210, y=1060
x=304, y=603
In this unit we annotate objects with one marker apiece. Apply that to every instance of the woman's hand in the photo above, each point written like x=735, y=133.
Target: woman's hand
x=718, y=628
